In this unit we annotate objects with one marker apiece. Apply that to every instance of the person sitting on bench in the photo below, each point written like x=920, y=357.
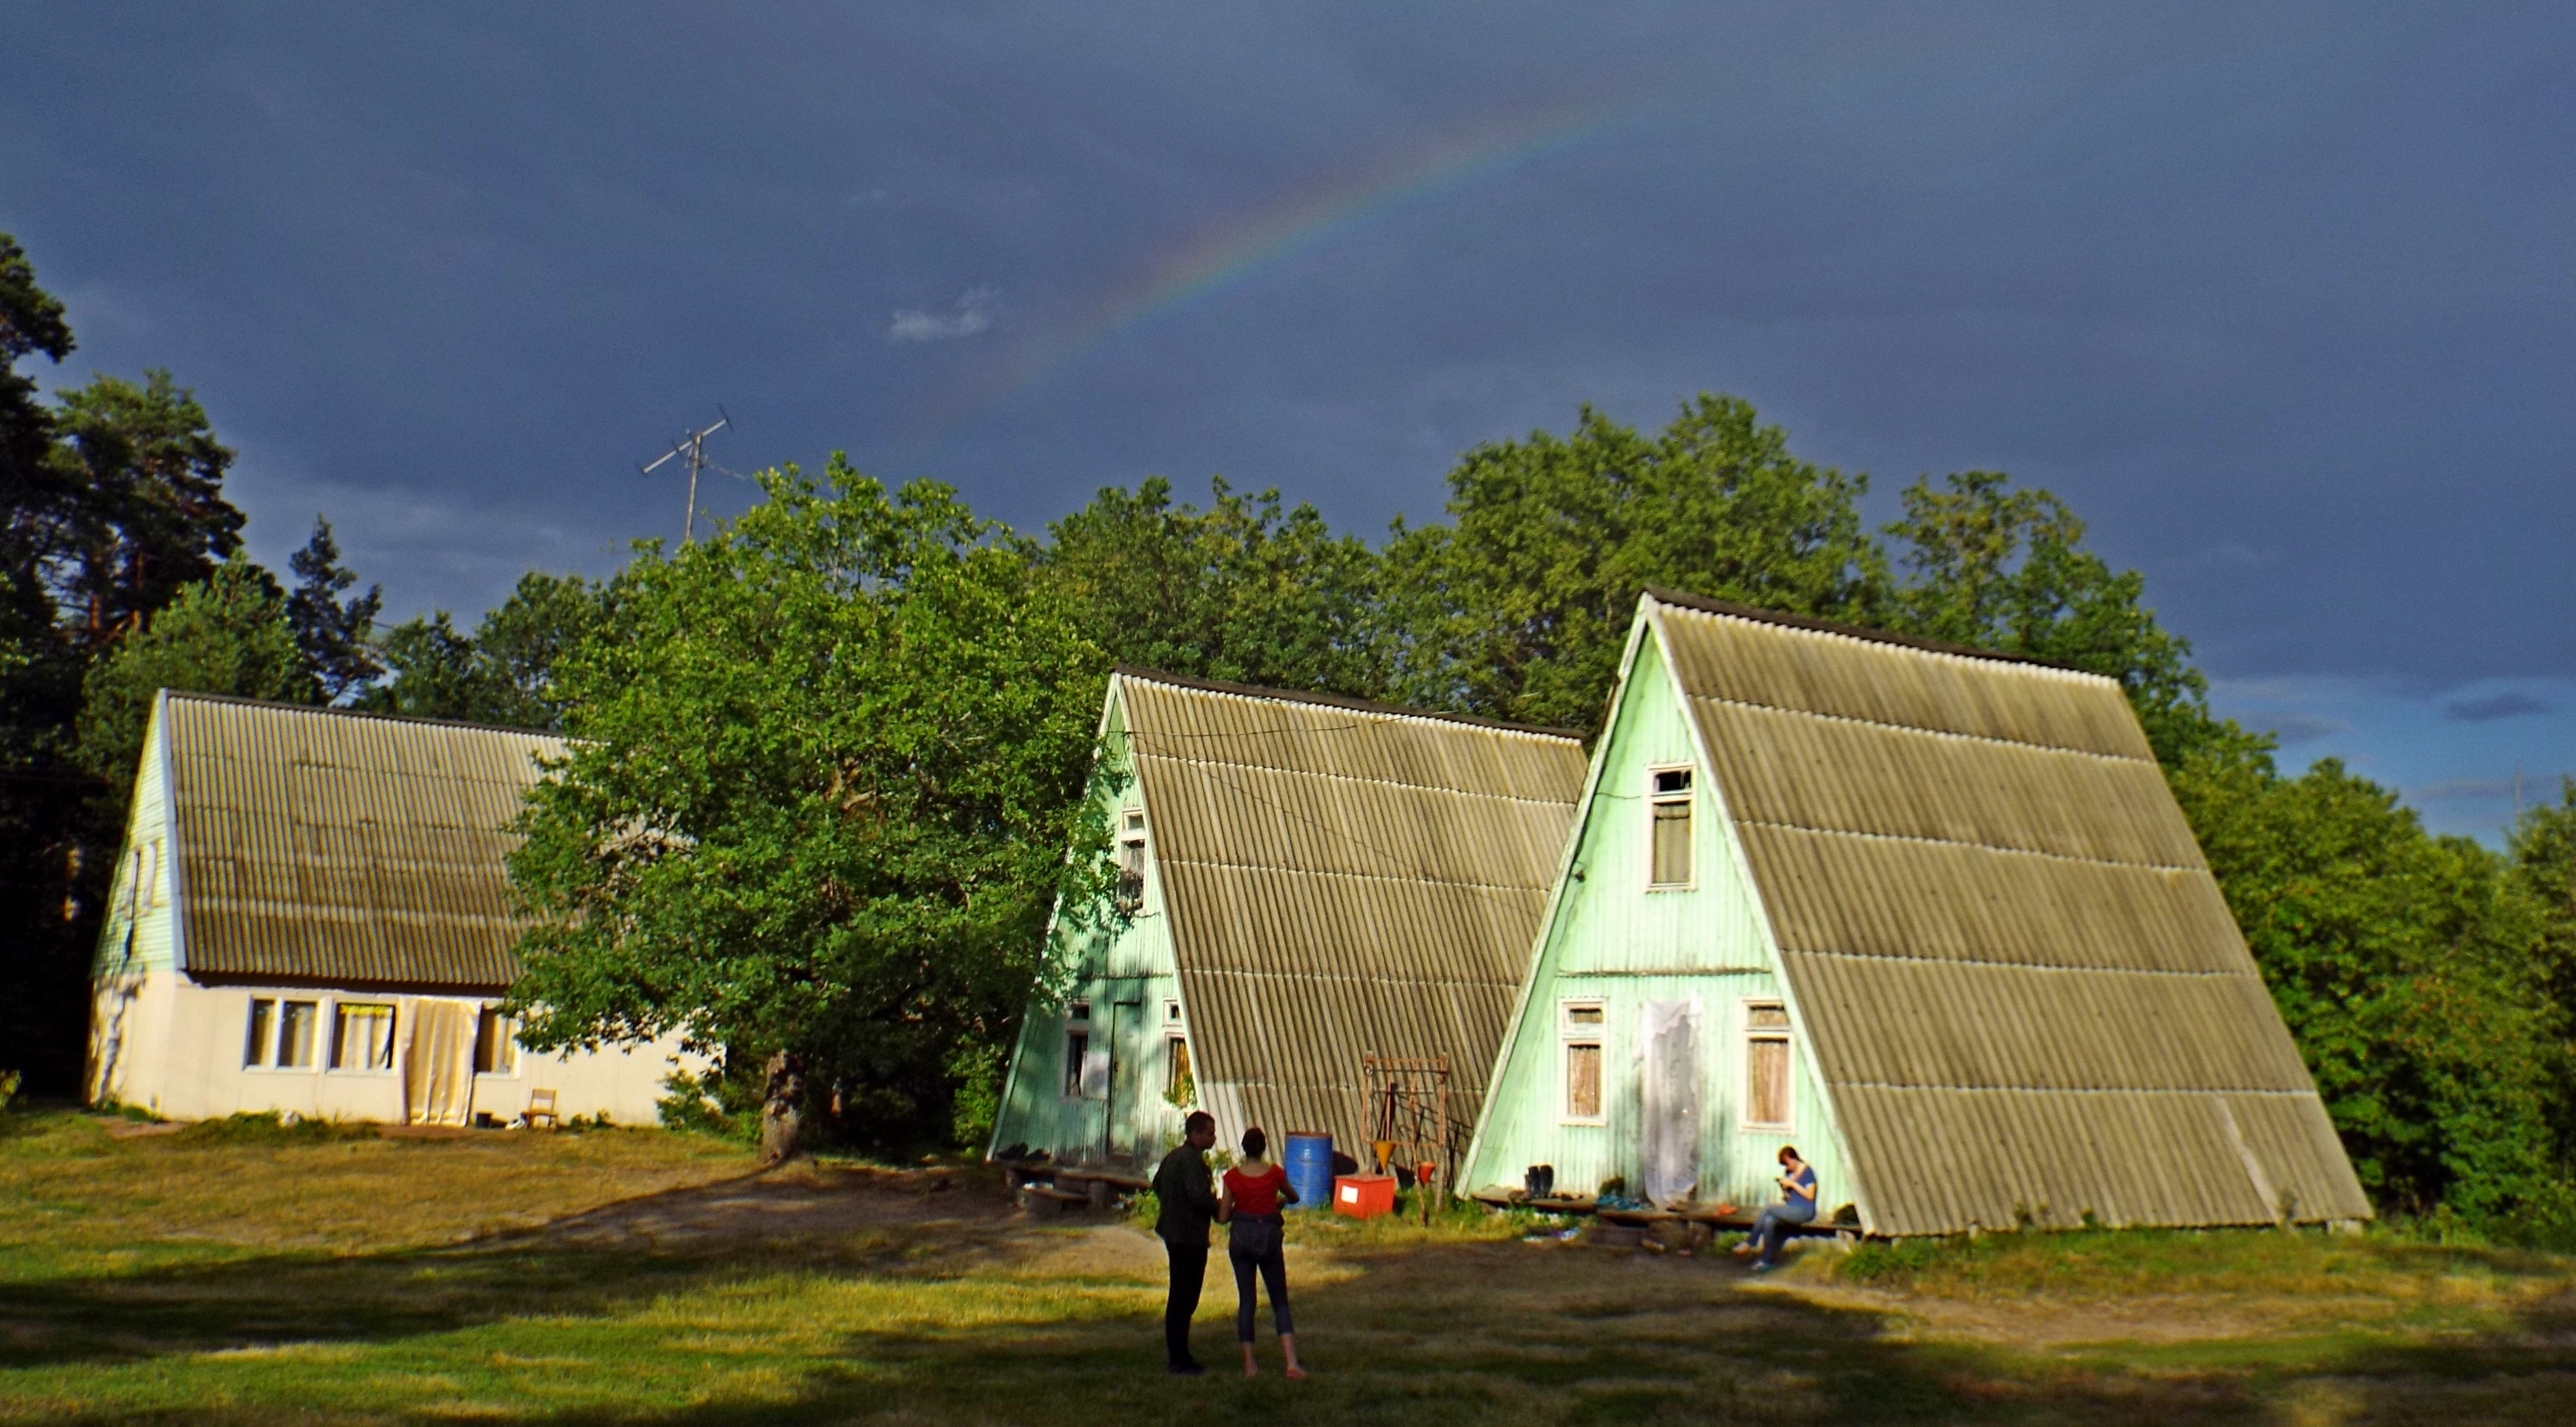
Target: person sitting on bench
x=1797, y=1206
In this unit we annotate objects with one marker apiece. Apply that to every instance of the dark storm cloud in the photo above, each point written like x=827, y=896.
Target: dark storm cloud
x=2277, y=298
x=2510, y=704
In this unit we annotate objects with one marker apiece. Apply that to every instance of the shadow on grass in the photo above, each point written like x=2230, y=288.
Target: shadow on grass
x=1422, y=1336
x=262, y=1300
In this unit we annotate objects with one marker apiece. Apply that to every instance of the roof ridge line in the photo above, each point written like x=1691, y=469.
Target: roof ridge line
x=2023, y=965
x=1339, y=701
x=1979, y=846
x=1810, y=624
x=1986, y=738
x=368, y=714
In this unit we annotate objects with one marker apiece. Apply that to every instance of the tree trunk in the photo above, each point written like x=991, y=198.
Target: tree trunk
x=779, y=1116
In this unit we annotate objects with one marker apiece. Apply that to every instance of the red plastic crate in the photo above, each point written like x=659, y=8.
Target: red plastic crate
x=1364, y=1196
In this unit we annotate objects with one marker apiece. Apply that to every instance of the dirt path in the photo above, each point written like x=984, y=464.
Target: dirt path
x=795, y=1201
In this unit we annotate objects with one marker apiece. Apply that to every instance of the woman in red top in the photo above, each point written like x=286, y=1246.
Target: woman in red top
x=1249, y=1203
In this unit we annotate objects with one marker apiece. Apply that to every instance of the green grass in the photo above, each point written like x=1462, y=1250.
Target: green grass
x=222, y=1279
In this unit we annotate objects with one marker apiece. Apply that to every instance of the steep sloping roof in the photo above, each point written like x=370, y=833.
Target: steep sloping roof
x=2024, y=990
x=1344, y=878
x=323, y=845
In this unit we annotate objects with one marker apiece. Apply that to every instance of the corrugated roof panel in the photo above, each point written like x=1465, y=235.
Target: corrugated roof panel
x=2022, y=985
x=1836, y=676
x=1344, y=881
x=318, y=844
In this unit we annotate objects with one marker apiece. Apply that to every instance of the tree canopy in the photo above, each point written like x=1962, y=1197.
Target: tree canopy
x=829, y=765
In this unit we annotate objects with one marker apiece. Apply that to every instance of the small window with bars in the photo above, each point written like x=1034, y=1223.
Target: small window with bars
x=1580, y=1025
x=1766, y=1064
x=1668, y=803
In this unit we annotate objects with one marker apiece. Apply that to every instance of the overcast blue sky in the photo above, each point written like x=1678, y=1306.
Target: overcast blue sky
x=2277, y=297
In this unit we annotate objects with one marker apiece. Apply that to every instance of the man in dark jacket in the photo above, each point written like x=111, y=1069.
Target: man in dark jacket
x=1187, y=1194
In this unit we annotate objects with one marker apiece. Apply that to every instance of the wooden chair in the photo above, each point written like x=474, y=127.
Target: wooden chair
x=541, y=1106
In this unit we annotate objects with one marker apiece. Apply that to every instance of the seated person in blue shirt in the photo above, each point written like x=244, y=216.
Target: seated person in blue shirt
x=1797, y=1206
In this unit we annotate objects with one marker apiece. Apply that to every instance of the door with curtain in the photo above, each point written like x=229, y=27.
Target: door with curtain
x=1668, y=1100
x=438, y=1062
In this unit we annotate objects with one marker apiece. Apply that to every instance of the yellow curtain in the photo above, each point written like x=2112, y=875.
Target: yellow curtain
x=438, y=1071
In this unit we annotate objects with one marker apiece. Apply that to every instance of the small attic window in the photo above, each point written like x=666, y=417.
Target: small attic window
x=1669, y=821
x=1131, y=860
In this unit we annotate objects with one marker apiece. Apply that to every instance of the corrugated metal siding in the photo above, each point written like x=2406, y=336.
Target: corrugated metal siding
x=134, y=937
x=1342, y=881
x=325, y=845
x=2018, y=975
x=1615, y=941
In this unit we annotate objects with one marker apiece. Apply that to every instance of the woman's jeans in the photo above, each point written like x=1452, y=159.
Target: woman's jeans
x=1273, y=1267
x=1769, y=1229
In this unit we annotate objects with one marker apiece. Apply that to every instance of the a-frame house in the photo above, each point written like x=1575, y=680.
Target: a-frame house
x=1933, y=915
x=1309, y=879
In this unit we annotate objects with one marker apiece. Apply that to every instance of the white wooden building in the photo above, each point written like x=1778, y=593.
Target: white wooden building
x=311, y=914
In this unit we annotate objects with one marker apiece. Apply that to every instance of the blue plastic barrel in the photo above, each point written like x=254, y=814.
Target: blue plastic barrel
x=1309, y=1163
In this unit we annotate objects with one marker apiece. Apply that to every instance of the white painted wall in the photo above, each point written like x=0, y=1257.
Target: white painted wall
x=162, y=1042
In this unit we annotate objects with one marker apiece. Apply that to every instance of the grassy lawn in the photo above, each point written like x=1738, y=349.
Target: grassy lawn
x=633, y=1276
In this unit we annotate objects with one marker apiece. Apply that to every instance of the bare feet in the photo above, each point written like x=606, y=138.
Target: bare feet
x=1288, y=1349
x=1296, y=1374
x=1250, y=1368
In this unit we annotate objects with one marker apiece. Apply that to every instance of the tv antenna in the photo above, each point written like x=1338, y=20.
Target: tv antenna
x=693, y=446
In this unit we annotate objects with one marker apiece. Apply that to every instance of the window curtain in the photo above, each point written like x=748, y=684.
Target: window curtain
x=1668, y=1100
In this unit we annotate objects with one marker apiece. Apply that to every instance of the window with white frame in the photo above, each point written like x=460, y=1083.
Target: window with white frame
x=1077, y=1046
x=1180, y=1084
x=362, y=1036
x=1668, y=804
x=496, y=1043
x=1131, y=860
x=259, y=1036
x=1580, y=1027
x=1766, y=1064
x=281, y=1034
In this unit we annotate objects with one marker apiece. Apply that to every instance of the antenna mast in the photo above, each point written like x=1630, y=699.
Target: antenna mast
x=693, y=446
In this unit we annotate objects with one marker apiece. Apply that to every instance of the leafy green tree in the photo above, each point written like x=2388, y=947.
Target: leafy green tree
x=1519, y=607
x=505, y=672
x=2404, y=966
x=225, y=634
x=1241, y=591
x=151, y=516
x=49, y=885
x=2543, y=849
x=828, y=766
x=335, y=632
x=31, y=488
x=2004, y=569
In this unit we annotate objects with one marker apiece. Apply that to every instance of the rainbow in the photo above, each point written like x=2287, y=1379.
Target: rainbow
x=1231, y=253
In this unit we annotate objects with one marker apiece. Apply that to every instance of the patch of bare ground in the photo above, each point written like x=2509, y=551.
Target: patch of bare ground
x=800, y=1199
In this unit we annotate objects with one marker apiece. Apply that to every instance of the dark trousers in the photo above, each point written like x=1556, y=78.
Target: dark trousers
x=1189, y=1272
x=1273, y=1267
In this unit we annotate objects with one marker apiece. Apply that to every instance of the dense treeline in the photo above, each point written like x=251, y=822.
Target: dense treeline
x=830, y=759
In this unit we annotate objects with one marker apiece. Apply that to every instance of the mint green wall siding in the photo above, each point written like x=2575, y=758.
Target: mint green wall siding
x=137, y=933
x=1112, y=968
x=1613, y=941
